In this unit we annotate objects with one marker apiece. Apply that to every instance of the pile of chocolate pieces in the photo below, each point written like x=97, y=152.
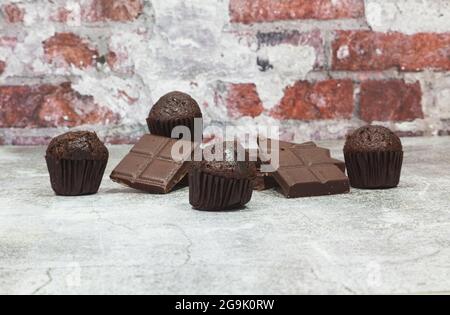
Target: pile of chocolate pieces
x=305, y=170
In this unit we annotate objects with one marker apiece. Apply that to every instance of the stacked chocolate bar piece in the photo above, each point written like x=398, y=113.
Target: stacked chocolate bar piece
x=305, y=170
x=150, y=166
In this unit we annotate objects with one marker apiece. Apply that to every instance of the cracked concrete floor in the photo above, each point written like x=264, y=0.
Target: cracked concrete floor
x=121, y=241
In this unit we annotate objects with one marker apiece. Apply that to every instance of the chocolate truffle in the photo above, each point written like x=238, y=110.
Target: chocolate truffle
x=221, y=185
x=172, y=110
x=76, y=162
x=374, y=158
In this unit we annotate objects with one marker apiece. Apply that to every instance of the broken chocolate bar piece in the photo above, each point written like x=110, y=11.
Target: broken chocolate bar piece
x=266, y=181
x=309, y=171
x=150, y=166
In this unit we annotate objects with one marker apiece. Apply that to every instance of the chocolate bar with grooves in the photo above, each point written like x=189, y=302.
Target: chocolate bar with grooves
x=289, y=145
x=266, y=181
x=308, y=172
x=150, y=167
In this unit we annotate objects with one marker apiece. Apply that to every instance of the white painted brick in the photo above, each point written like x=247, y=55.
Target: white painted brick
x=442, y=89
x=409, y=16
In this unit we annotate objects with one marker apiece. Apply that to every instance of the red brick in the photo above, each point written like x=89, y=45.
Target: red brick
x=256, y=11
x=369, y=51
x=392, y=100
x=17, y=104
x=331, y=99
x=241, y=100
x=2, y=67
x=113, y=10
x=49, y=106
x=70, y=48
x=13, y=14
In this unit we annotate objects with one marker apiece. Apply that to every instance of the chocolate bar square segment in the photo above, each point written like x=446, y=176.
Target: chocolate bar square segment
x=293, y=176
x=289, y=158
x=150, y=167
x=166, y=152
x=160, y=171
x=327, y=173
x=340, y=164
x=132, y=165
x=149, y=145
x=312, y=156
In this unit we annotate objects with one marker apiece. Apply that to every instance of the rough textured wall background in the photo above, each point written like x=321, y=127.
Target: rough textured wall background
x=316, y=67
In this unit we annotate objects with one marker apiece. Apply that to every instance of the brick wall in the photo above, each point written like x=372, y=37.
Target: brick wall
x=315, y=67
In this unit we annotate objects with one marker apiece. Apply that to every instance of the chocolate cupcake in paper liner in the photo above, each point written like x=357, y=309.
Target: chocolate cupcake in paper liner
x=221, y=185
x=374, y=158
x=172, y=110
x=76, y=163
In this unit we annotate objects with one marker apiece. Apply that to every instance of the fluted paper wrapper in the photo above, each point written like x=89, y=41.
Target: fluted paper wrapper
x=216, y=193
x=75, y=178
x=374, y=170
x=164, y=128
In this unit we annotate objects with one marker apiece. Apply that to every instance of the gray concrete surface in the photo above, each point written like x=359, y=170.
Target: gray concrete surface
x=121, y=241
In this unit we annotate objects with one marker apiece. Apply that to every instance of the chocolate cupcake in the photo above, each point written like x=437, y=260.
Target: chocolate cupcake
x=172, y=110
x=76, y=162
x=221, y=185
x=374, y=157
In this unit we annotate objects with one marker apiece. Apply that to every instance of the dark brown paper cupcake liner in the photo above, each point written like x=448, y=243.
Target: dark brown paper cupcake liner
x=75, y=178
x=216, y=193
x=164, y=128
x=374, y=170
